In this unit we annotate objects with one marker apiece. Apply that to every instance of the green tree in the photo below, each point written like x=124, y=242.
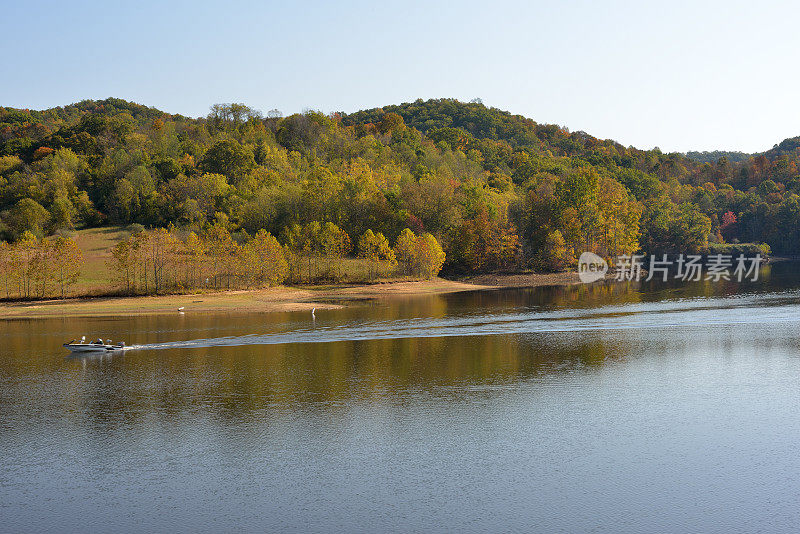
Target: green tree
x=62, y=214
x=27, y=216
x=228, y=157
x=207, y=190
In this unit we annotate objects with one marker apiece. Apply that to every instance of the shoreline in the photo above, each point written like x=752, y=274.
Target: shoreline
x=269, y=300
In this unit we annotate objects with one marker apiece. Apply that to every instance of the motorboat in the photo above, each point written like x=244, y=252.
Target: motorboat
x=93, y=346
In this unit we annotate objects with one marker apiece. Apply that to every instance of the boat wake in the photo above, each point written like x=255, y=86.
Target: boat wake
x=690, y=313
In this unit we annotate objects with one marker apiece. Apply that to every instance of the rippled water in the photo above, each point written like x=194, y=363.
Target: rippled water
x=663, y=408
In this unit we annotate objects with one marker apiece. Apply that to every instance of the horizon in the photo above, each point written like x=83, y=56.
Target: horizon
x=286, y=114
x=690, y=78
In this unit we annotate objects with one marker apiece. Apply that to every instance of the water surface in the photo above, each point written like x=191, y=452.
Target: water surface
x=599, y=408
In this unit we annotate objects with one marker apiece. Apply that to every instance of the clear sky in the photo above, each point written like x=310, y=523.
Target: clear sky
x=680, y=75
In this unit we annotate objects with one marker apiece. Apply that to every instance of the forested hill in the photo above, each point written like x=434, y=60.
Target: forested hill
x=499, y=191
x=716, y=155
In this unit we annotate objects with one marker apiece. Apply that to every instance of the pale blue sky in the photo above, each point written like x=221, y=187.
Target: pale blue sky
x=680, y=75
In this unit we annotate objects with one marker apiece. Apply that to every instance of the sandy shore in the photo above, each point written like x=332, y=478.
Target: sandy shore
x=525, y=279
x=280, y=299
x=260, y=300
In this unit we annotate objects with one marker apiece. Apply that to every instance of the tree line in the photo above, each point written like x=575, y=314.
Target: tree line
x=39, y=268
x=169, y=260
x=497, y=191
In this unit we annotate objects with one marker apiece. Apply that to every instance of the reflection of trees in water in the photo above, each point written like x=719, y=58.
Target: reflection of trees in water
x=231, y=382
x=176, y=385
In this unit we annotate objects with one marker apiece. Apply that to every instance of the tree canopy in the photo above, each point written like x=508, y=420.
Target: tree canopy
x=495, y=190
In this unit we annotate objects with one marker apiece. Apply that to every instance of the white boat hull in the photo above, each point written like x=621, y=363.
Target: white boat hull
x=88, y=347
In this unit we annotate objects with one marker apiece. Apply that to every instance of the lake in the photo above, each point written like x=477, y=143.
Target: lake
x=654, y=408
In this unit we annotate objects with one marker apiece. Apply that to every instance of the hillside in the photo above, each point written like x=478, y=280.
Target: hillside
x=498, y=190
x=716, y=155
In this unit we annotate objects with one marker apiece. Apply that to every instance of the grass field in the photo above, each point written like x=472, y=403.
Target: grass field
x=97, y=278
x=95, y=244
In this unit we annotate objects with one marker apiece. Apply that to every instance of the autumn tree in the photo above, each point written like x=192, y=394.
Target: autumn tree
x=486, y=242
x=220, y=247
x=493, y=186
x=43, y=269
x=123, y=264
x=25, y=264
x=161, y=246
x=265, y=259
x=405, y=251
x=619, y=219
x=375, y=248
x=728, y=226
x=6, y=266
x=555, y=255
x=194, y=250
x=67, y=261
x=296, y=246
x=429, y=256
x=312, y=233
x=669, y=228
x=334, y=244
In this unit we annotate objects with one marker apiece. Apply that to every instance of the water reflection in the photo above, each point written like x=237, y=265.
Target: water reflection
x=581, y=395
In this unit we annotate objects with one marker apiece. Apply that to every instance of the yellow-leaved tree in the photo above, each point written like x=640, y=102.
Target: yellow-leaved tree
x=405, y=250
x=430, y=256
x=265, y=259
x=6, y=266
x=67, y=261
x=419, y=255
x=334, y=244
x=375, y=248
